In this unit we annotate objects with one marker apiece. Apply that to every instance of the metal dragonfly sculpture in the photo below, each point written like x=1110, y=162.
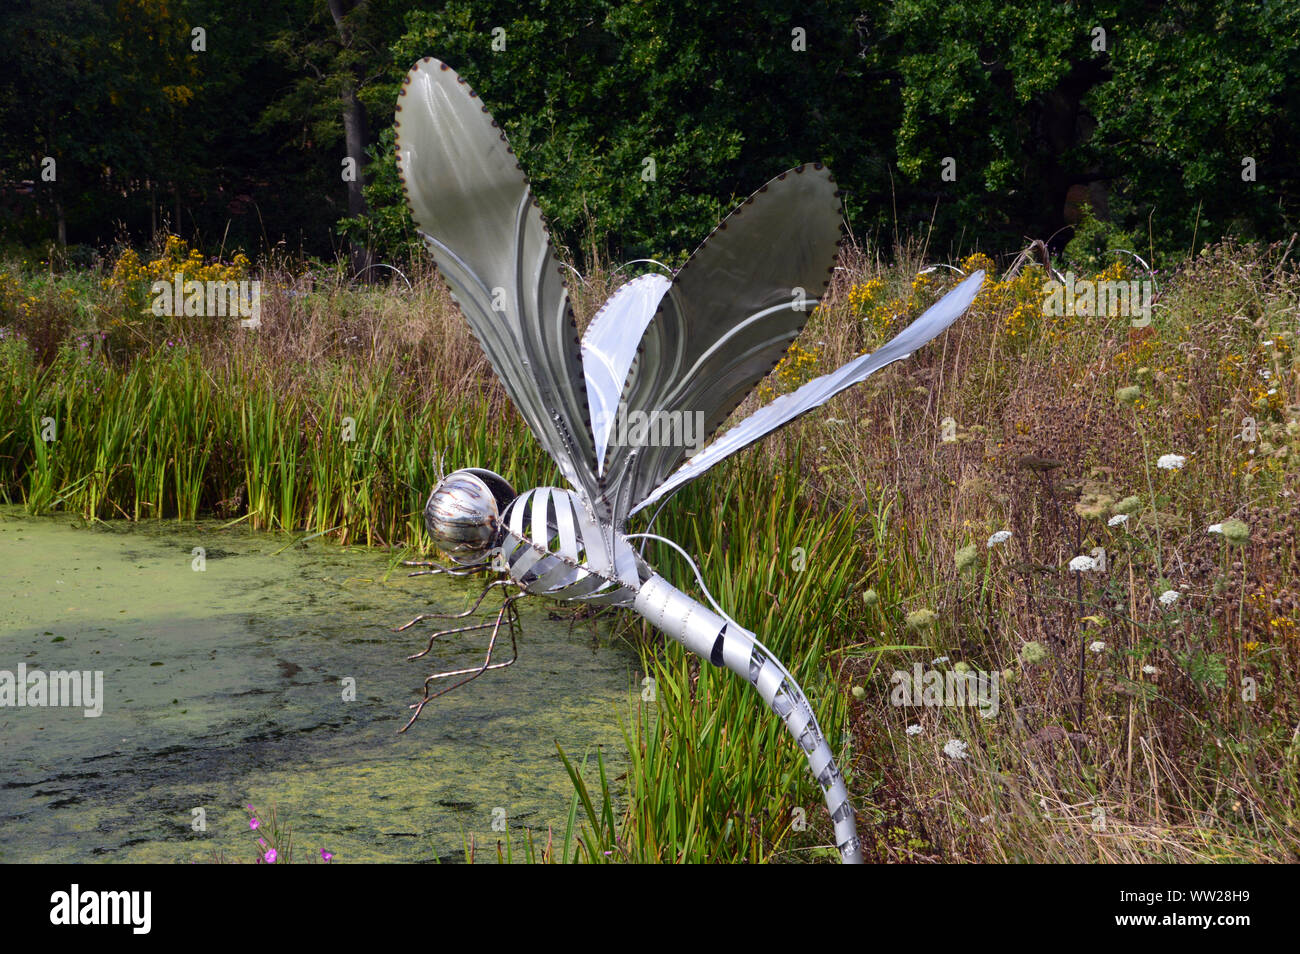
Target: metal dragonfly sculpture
x=696, y=344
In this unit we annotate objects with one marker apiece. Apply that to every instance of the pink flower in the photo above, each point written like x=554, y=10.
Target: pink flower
x=253, y=823
x=271, y=856
x=326, y=856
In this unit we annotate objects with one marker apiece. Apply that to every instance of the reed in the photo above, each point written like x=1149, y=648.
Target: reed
x=713, y=775
x=348, y=453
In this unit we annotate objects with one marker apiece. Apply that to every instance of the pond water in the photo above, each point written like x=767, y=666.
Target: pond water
x=225, y=687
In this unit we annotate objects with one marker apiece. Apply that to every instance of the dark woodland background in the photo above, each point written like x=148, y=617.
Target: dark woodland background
x=1177, y=124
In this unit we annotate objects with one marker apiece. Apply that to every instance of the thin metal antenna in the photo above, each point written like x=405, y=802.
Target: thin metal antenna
x=638, y=261
x=655, y=515
x=409, y=286
x=698, y=578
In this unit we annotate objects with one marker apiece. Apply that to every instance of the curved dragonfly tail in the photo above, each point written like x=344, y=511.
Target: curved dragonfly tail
x=723, y=643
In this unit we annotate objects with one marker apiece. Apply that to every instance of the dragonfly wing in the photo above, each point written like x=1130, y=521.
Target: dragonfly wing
x=728, y=317
x=609, y=348
x=471, y=203
x=818, y=391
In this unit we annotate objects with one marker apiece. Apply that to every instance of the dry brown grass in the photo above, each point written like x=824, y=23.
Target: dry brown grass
x=1091, y=758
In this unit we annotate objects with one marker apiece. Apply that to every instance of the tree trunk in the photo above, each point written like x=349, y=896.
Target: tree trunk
x=355, y=135
x=1062, y=124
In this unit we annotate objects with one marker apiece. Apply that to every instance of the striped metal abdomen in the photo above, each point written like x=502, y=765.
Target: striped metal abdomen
x=554, y=547
x=723, y=643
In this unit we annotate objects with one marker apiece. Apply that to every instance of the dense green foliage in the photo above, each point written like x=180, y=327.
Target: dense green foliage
x=240, y=143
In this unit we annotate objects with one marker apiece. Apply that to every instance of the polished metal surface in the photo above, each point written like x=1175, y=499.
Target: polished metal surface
x=818, y=391
x=724, y=643
x=728, y=317
x=609, y=348
x=470, y=201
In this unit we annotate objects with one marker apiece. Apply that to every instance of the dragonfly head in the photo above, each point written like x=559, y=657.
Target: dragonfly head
x=463, y=514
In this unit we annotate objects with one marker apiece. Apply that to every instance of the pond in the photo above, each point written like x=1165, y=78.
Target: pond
x=225, y=686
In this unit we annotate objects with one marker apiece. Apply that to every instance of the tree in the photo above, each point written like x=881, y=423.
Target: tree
x=339, y=49
x=54, y=92
x=642, y=125
x=1153, y=106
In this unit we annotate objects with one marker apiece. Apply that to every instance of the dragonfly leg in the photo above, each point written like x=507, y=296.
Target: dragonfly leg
x=507, y=615
x=460, y=569
x=478, y=602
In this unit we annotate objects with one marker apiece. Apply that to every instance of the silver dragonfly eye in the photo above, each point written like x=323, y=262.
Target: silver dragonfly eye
x=463, y=513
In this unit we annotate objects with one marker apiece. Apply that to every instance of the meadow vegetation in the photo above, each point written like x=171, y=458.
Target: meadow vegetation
x=1148, y=697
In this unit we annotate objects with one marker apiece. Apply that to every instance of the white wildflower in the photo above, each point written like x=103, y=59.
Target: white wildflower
x=1171, y=462
x=1083, y=564
x=938, y=660
x=955, y=749
x=1116, y=520
x=1097, y=646
x=1002, y=536
x=1169, y=597
x=1214, y=528
x=914, y=729
x=1151, y=670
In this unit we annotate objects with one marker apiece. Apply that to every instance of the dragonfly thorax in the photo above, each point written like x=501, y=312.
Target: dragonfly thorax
x=553, y=545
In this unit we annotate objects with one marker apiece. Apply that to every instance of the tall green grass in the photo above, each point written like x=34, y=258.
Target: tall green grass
x=343, y=451
x=353, y=452
x=714, y=776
